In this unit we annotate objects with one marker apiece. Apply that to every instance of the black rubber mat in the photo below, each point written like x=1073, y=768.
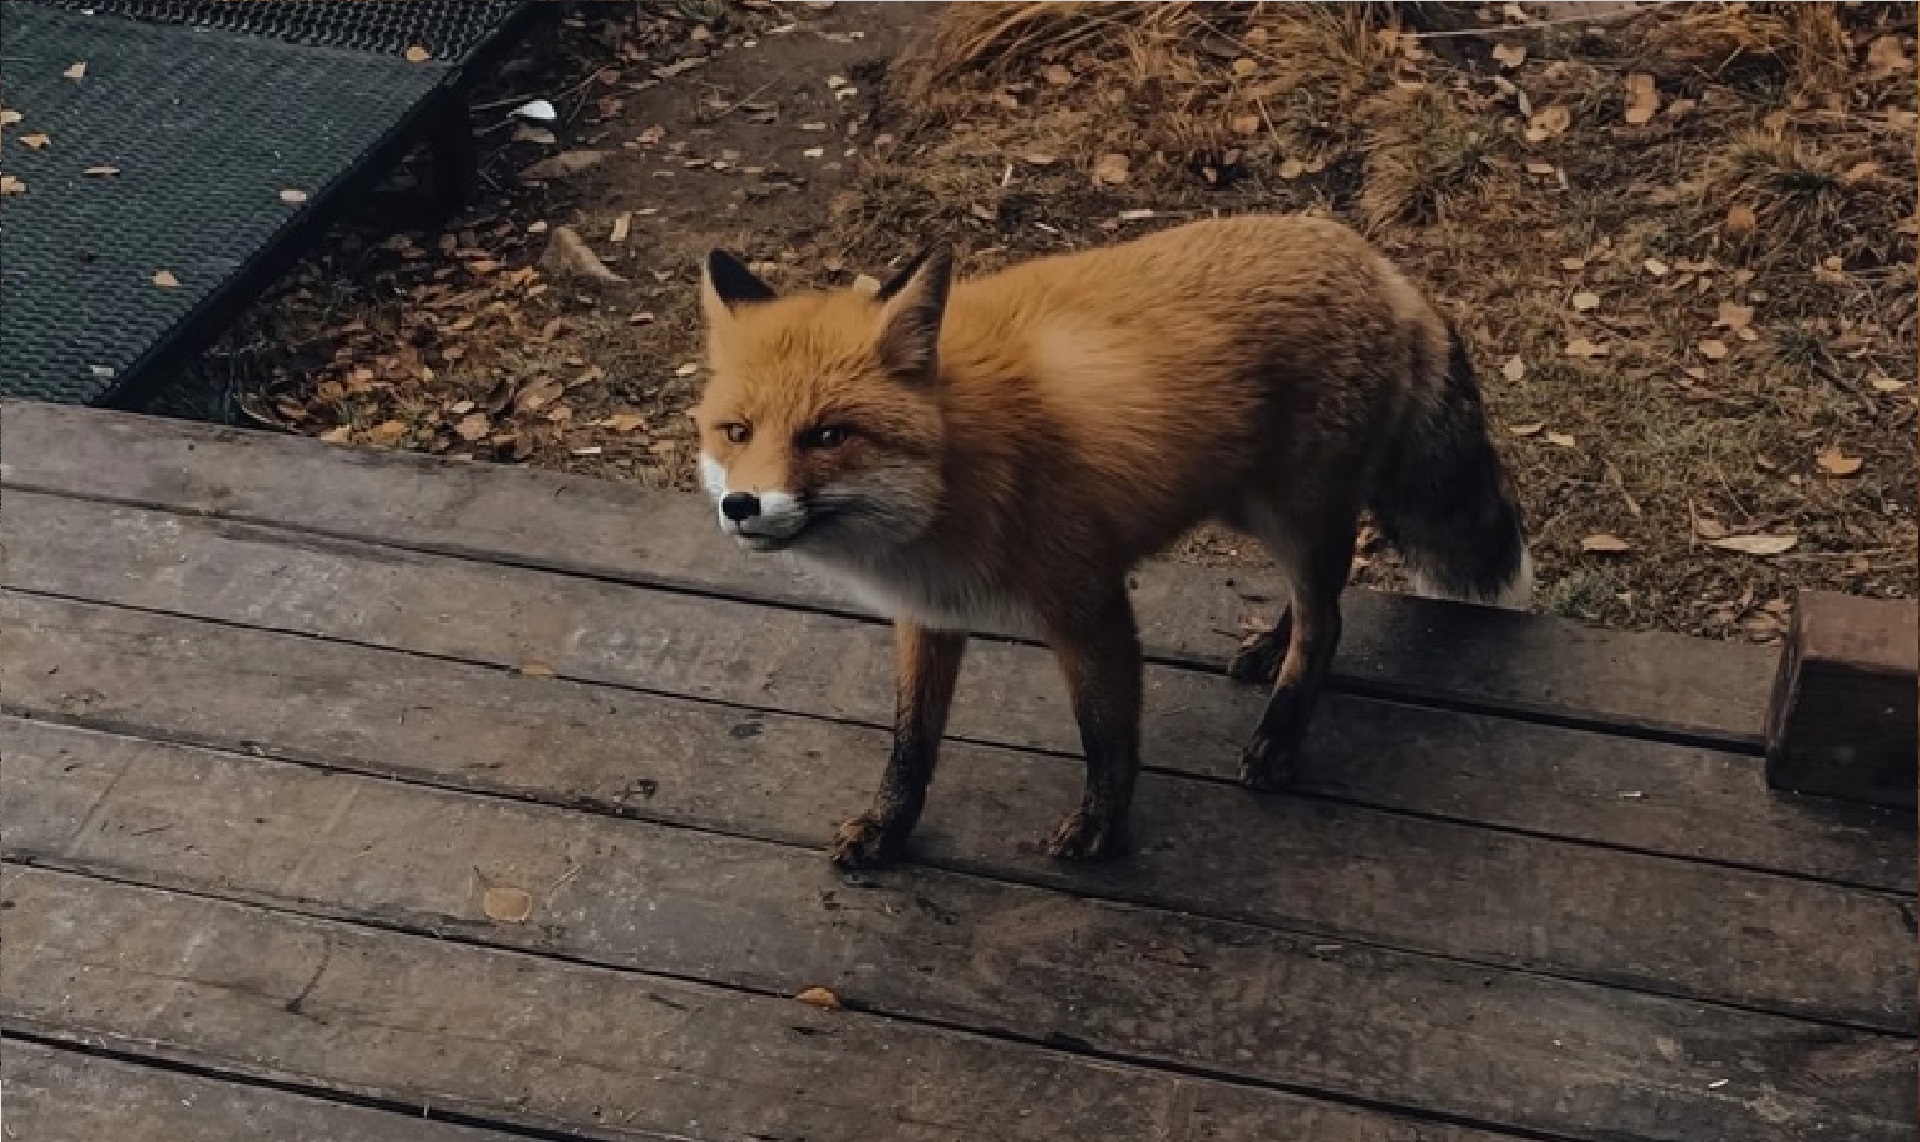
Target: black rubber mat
x=449, y=29
x=205, y=129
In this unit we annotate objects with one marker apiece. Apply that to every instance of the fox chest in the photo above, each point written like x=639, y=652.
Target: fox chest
x=927, y=594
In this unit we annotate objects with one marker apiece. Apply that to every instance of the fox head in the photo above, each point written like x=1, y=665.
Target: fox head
x=820, y=426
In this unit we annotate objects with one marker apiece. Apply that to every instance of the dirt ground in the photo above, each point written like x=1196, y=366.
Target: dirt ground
x=1681, y=243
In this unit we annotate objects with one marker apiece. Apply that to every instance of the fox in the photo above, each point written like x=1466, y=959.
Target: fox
x=1006, y=449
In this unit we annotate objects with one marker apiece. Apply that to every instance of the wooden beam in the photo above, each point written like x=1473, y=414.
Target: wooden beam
x=1842, y=722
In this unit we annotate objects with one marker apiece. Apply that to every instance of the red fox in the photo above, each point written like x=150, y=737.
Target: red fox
x=1009, y=448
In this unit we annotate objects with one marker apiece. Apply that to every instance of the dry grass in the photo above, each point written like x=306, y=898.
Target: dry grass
x=1744, y=257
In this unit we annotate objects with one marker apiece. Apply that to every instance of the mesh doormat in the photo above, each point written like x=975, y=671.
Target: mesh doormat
x=450, y=29
x=191, y=135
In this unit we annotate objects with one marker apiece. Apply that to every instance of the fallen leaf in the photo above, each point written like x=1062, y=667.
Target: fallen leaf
x=1548, y=122
x=1741, y=219
x=1733, y=316
x=101, y=172
x=1243, y=67
x=1888, y=385
x=1707, y=527
x=79, y=71
x=8, y=116
x=1561, y=439
x=568, y=253
x=563, y=164
x=819, y=997
x=418, y=54
x=866, y=284
x=1575, y=264
x=1643, y=98
x=165, y=279
x=1541, y=168
x=1854, y=176
x=473, y=427
x=1885, y=56
x=11, y=185
x=1656, y=267
x=37, y=140
x=1584, y=349
x=1756, y=544
x=1834, y=462
x=1510, y=55
x=688, y=369
x=1584, y=301
x=1112, y=169
x=1530, y=428
x=1245, y=124
x=1058, y=75
x=387, y=432
x=1514, y=369
x=506, y=905
x=814, y=152
x=536, y=670
x=621, y=223
x=539, y=136
x=1712, y=350
x=1605, y=544
x=643, y=317
x=339, y=435
x=1040, y=158
x=626, y=421
x=293, y=197
x=1292, y=168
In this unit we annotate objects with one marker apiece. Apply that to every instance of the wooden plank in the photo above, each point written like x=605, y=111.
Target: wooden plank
x=1845, y=716
x=605, y=1053
x=1661, y=684
x=1531, y=778
x=1343, y=871
x=1499, y=1048
x=62, y=1096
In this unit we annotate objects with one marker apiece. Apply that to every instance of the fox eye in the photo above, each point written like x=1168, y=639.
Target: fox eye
x=825, y=436
x=737, y=433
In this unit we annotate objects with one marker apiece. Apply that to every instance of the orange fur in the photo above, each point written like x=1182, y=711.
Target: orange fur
x=1013, y=453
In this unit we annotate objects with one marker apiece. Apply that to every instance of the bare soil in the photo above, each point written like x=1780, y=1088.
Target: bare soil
x=1681, y=243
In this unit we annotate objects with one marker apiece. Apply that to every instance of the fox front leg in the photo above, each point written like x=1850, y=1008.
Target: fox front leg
x=1102, y=663
x=928, y=667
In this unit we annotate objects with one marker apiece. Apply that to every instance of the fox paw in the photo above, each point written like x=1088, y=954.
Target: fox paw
x=864, y=842
x=1264, y=767
x=1084, y=836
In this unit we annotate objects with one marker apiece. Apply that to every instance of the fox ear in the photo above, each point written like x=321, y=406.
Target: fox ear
x=911, y=307
x=727, y=284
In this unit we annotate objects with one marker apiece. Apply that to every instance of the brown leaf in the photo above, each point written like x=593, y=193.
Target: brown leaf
x=387, y=432
x=1530, y=428
x=1741, y=219
x=1584, y=349
x=626, y=421
x=1756, y=544
x=1712, y=350
x=1292, y=169
x=473, y=427
x=1573, y=264
x=641, y=317
x=77, y=71
x=1854, y=176
x=1888, y=385
x=418, y=54
x=8, y=116
x=1541, y=168
x=1733, y=316
x=1605, y=544
x=1058, y=75
x=1584, y=301
x=568, y=253
x=1656, y=267
x=1112, y=169
x=165, y=279
x=506, y=905
x=1643, y=98
x=1885, y=56
x=1514, y=369
x=819, y=997
x=563, y=164
x=1510, y=55
x=1834, y=462
x=1040, y=158
x=37, y=140
x=339, y=435
x=621, y=224
x=1561, y=440
x=1245, y=124
x=1549, y=121
x=11, y=185
x=101, y=172
x=536, y=670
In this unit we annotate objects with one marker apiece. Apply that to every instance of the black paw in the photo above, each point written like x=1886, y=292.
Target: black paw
x=1264, y=766
x=865, y=842
x=1085, y=836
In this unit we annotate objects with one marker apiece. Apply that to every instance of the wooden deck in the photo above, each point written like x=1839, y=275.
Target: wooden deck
x=303, y=844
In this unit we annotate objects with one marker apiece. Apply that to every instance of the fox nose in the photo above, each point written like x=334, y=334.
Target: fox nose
x=740, y=506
